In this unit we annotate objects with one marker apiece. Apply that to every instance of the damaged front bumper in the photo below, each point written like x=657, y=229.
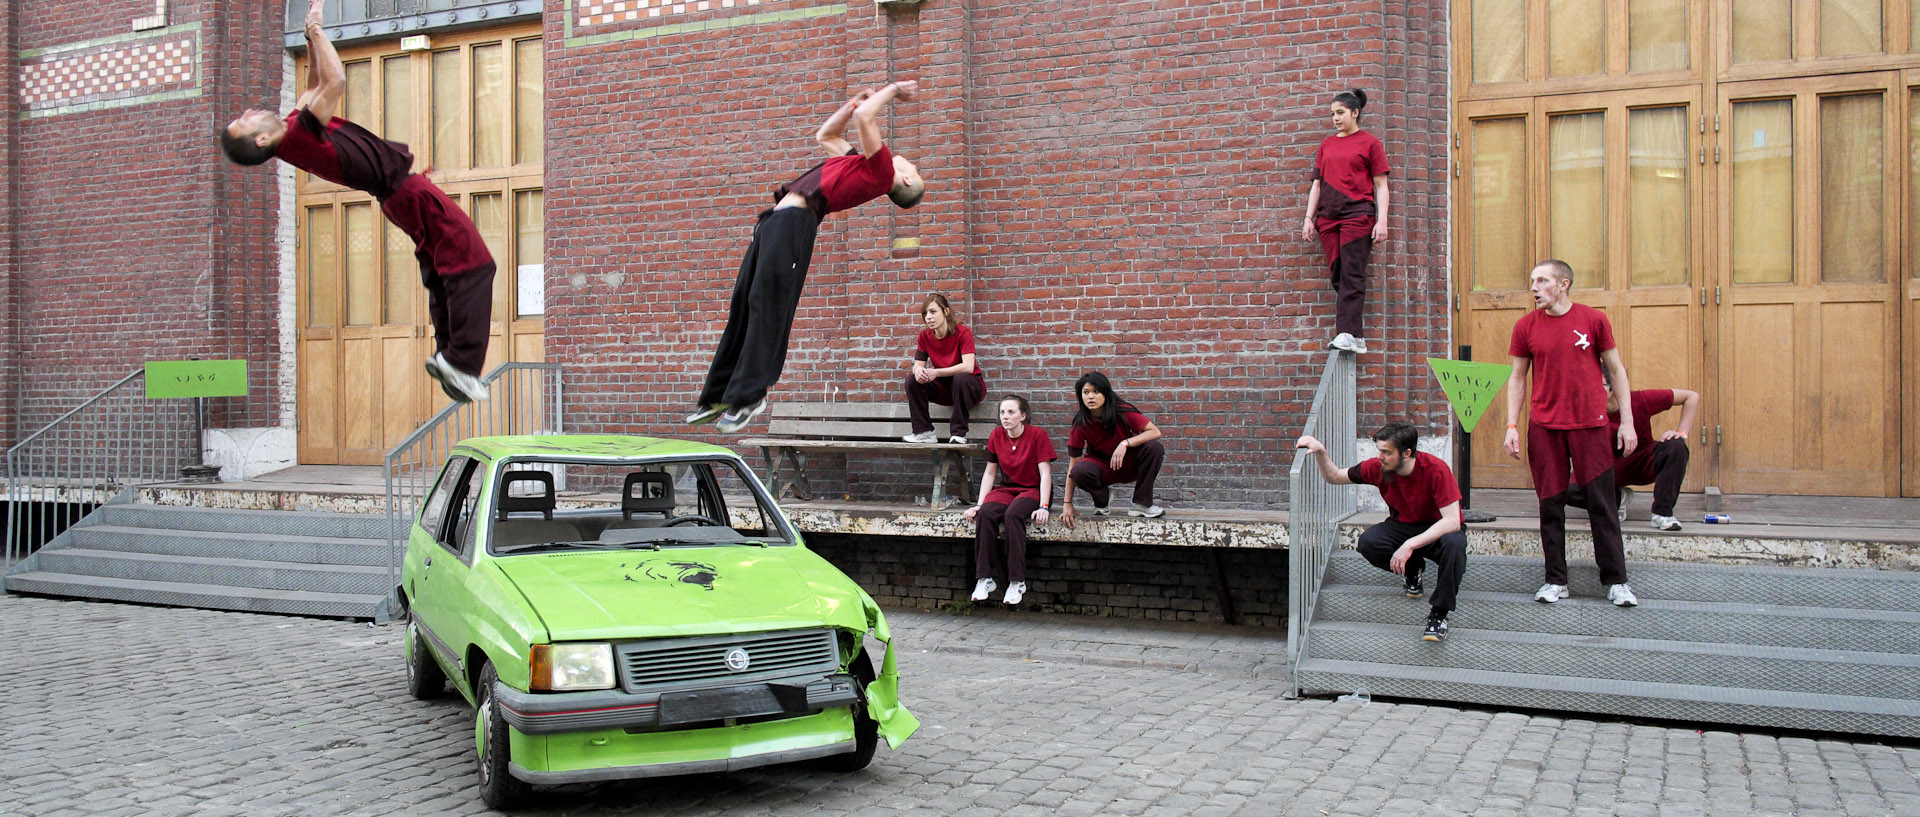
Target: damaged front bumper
x=548, y=713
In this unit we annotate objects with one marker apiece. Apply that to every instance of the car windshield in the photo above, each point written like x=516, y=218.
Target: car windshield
x=543, y=506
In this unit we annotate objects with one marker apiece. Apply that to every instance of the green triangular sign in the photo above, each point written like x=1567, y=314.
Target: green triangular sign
x=1469, y=386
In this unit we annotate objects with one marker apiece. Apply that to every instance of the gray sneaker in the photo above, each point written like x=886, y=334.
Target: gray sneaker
x=707, y=414
x=433, y=371
x=1665, y=522
x=1622, y=596
x=920, y=437
x=469, y=387
x=1550, y=593
x=1148, y=511
x=1626, y=495
x=957, y=439
x=737, y=418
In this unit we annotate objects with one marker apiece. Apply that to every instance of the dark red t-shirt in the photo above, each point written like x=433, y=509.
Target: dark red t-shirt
x=344, y=153
x=1416, y=497
x=843, y=182
x=1099, y=440
x=1646, y=403
x=947, y=351
x=1347, y=164
x=1020, y=459
x=1565, y=350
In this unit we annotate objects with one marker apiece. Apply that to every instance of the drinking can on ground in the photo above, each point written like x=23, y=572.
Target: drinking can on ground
x=1718, y=519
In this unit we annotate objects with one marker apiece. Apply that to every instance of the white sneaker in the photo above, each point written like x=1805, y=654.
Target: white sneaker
x=1622, y=596
x=983, y=588
x=1626, y=495
x=1550, y=593
x=1148, y=511
x=1101, y=510
x=467, y=385
x=737, y=418
x=957, y=440
x=1665, y=523
x=706, y=414
x=1346, y=343
x=920, y=437
x=1015, y=592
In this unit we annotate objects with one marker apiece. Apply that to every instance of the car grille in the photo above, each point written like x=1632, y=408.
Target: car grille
x=669, y=663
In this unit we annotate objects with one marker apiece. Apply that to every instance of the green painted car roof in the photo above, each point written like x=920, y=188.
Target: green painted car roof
x=589, y=446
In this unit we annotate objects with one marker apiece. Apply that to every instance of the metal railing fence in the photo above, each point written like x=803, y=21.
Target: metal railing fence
x=114, y=440
x=1315, y=508
x=526, y=398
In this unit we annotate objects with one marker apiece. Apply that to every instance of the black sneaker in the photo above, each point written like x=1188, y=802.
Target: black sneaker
x=1436, y=630
x=1414, y=590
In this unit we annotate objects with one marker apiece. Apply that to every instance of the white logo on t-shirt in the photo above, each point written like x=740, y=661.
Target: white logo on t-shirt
x=1582, y=342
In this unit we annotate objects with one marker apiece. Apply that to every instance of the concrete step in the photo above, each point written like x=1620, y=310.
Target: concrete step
x=1788, y=586
x=271, y=547
x=241, y=573
x=1629, y=698
x=226, y=520
x=206, y=596
x=1790, y=669
x=1742, y=623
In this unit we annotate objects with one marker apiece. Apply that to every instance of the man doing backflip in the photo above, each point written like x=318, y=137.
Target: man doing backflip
x=455, y=266
x=753, y=348
x=1423, y=520
x=1564, y=345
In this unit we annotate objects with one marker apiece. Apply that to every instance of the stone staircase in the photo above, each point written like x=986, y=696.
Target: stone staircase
x=295, y=562
x=1803, y=648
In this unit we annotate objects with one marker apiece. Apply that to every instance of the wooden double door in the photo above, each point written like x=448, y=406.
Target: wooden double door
x=1748, y=240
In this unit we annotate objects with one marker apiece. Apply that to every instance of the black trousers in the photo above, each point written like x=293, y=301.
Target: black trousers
x=995, y=522
x=1666, y=470
x=1449, y=556
x=461, y=307
x=961, y=391
x=753, y=348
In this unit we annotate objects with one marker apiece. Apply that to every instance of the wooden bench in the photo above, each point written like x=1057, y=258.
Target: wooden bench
x=798, y=429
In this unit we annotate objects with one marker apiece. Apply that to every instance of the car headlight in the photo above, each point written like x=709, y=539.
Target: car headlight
x=564, y=667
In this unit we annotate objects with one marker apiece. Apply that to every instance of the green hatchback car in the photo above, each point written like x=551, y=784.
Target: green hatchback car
x=620, y=607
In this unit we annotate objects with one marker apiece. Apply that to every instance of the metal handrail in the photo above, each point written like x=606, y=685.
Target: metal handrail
x=527, y=398
x=115, y=439
x=1315, y=508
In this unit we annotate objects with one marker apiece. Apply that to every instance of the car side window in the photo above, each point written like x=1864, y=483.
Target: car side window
x=433, y=514
x=467, y=525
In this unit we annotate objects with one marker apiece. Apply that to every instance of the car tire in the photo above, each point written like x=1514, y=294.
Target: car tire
x=425, y=680
x=866, y=730
x=499, y=789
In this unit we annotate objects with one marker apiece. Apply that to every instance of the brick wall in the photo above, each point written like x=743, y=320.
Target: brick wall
x=1115, y=581
x=131, y=238
x=1112, y=186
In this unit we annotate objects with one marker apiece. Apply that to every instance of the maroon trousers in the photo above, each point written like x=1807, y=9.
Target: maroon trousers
x=998, y=520
x=461, y=307
x=1560, y=460
x=1141, y=466
x=1348, y=243
x=961, y=391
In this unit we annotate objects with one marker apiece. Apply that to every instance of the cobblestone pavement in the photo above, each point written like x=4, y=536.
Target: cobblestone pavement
x=116, y=709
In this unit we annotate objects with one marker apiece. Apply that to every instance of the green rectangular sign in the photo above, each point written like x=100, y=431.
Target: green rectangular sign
x=196, y=378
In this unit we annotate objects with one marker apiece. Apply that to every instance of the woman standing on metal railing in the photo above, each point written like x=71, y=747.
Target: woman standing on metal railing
x=1347, y=209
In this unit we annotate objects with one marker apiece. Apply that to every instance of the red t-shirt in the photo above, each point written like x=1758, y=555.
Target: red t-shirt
x=1020, y=459
x=344, y=153
x=843, y=182
x=1646, y=403
x=1416, y=497
x=1347, y=165
x=947, y=351
x=1099, y=440
x=1565, y=350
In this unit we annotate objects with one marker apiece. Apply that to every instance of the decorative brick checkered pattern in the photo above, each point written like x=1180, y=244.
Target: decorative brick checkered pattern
x=117, y=71
x=605, y=12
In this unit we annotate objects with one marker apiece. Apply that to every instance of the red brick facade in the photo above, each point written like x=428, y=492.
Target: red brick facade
x=1112, y=186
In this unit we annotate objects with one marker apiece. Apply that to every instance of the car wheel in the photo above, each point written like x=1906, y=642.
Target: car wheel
x=425, y=680
x=866, y=731
x=499, y=789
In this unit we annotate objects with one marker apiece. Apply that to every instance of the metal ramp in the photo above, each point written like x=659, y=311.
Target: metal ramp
x=1802, y=648
x=292, y=562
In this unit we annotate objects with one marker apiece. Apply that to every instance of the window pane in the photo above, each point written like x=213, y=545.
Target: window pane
x=1657, y=195
x=1577, y=186
x=403, y=275
x=1763, y=192
x=1657, y=35
x=1499, y=204
x=530, y=242
x=489, y=105
x=1576, y=38
x=1849, y=27
x=396, y=92
x=490, y=215
x=1499, y=40
x=449, y=112
x=1851, y=172
x=363, y=278
x=1762, y=30
x=357, y=105
x=529, y=103
x=321, y=276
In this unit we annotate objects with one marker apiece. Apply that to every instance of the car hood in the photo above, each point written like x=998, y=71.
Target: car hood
x=594, y=595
